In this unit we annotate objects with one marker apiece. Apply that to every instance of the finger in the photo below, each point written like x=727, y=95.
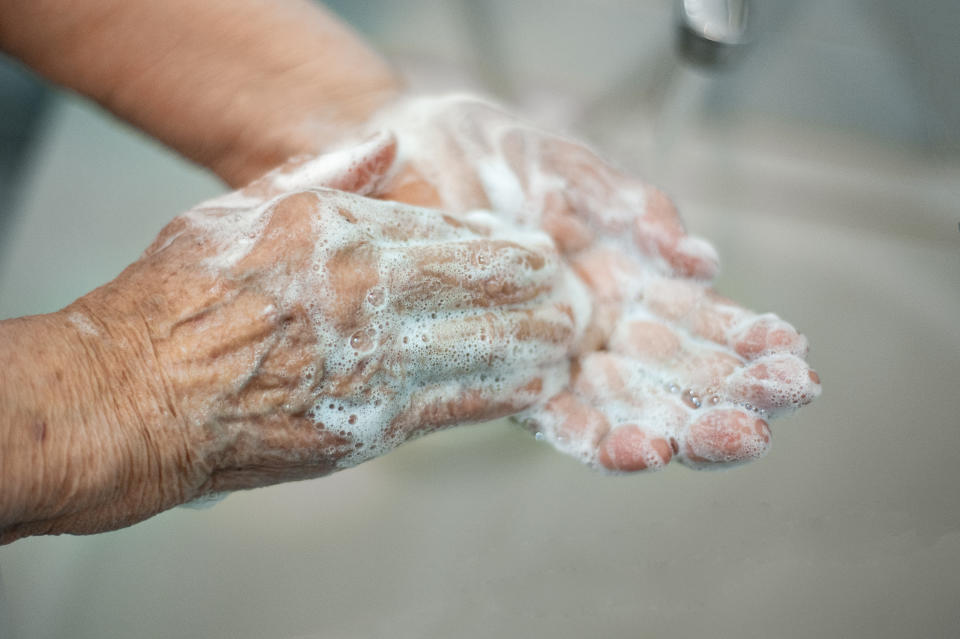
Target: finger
x=691, y=256
x=420, y=180
x=649, y=424
x=693, y=363
x=591, y=187
x=704, y=376
x=422, y=274
x=629, y=448
x=570, y=424
x=397, y=225
x=571, y=233
x=611, y=202
x=609, y=274
x=713, y=317
x=724, y=437
x=486, y=343
x=463, y=401
x=748, y=334
x=659, y=231
x=366, y=166
x=473, y=274
x=548, y=202
x=408, y=185
x=359, y=169
x=648, y=340
x=775, y=384
x=645, y=419
x=603, y=377
x=673, y=299
x=603, y=320
x=617, y=384
x=765, y=335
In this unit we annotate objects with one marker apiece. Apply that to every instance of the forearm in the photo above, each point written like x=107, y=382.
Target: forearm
x=82, y=427
x=236, y=85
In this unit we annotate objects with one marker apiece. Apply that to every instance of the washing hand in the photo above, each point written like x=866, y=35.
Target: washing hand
x=346, y=325
x=668, y=368
x=274, y=335
x=298, y=326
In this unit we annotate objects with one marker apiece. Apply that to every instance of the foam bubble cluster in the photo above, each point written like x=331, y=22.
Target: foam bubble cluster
x=676, y=356
x=411, y=310
x=421, y=319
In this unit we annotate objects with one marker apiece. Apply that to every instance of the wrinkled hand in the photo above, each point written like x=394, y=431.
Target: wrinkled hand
x=308, y=329
x=668, y=368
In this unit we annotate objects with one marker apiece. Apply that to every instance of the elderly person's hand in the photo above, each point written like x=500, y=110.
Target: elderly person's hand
x=668, y=368
x=269, y=336
x=293, y=328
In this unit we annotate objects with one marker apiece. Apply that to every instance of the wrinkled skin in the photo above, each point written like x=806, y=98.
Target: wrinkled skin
x=668, y=367
x=379, y=332
x=299, y=326
x=273, y=335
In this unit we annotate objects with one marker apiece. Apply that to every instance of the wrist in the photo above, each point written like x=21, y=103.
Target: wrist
x=89, y=442
x=315, y=117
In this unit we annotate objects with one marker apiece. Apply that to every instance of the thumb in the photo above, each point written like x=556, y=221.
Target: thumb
x=359, y=168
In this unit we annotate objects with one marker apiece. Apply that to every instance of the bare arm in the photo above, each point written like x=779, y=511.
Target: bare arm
x=83, y=420
x=276, y=334
x=160, y=403
x=235, y=85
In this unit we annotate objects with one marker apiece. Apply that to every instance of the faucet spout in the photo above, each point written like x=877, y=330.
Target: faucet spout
x=712, y=33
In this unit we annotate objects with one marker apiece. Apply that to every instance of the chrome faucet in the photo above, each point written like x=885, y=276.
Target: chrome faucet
x=712, y=33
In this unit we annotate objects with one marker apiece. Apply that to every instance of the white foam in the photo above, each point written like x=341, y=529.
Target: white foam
x=393, y=352
x=502, y=187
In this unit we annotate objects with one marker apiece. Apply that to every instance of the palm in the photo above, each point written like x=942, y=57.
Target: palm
x=668, y=368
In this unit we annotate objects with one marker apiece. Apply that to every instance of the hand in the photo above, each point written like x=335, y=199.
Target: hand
x=305, y=330
x=282, y=333
x=668, y=367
